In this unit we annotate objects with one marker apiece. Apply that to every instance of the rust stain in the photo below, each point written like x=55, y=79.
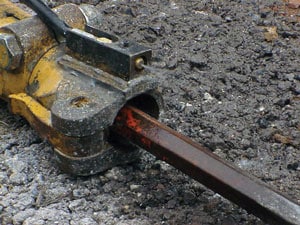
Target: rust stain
x=293, y=4
x=290, y=9
x=146, y=142
x=126, y=114
x=131, y=121
x=164, y=158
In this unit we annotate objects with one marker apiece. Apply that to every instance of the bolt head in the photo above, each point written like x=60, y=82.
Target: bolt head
x=10, y=52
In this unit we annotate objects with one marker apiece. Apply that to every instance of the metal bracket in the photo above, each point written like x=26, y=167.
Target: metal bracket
x=105, y=51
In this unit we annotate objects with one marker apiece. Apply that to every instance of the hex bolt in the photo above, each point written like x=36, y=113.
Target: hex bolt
x=10, y=52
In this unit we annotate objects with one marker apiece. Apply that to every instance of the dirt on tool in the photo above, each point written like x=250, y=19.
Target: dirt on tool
x=229, y=73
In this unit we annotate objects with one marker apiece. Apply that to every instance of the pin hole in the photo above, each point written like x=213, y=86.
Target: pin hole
x=79, y=101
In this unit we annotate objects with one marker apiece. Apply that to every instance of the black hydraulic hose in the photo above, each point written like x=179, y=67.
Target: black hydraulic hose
x=45, y=13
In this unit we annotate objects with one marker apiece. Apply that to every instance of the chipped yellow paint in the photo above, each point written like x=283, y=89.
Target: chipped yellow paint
x=25, y=106
x=13, y=81
x=7, y=20
x=8, y=8
x=39, y=80
x=4, y=57
x=46, y=77
x=104, y=40
x=17, y=80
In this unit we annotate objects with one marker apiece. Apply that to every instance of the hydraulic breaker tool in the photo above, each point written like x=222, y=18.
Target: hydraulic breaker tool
x=70, y=79
x=86, y=91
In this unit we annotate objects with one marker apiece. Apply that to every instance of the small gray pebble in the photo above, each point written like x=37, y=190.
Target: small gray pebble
x=77, y=205
x=18, y=178
x=87, y=221
x=23, y=215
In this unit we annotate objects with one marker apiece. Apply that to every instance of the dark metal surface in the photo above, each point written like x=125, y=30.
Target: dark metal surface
x=205, y=167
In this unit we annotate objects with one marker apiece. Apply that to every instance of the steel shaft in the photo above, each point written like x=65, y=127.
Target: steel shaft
x=201, y=164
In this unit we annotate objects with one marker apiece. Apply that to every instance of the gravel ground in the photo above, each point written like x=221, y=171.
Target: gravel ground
x=230, y=77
